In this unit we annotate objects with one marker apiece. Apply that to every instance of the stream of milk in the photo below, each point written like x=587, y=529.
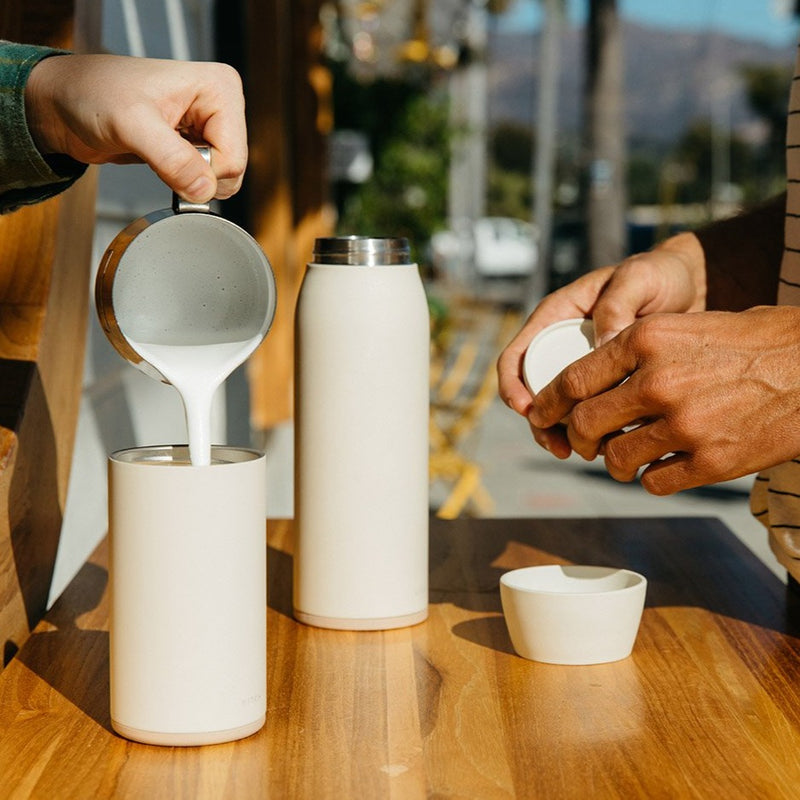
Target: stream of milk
x=196, y=372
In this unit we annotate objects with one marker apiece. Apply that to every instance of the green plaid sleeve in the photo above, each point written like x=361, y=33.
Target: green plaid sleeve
x=26, y=176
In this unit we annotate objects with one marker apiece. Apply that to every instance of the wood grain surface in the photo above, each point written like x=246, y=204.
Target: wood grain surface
x=707, y=705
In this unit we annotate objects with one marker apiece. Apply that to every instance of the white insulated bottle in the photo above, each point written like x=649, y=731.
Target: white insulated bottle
x=361, y=449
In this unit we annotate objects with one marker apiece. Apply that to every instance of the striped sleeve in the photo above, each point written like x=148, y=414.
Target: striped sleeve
x=789, y=286
x=775, y=497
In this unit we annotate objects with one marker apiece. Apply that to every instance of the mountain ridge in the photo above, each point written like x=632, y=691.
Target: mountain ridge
x=672, y=79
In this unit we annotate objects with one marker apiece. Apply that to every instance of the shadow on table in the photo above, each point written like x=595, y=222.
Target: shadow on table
x=687, y=561
x=279, y=581
x=488, y=632
x=74, y=661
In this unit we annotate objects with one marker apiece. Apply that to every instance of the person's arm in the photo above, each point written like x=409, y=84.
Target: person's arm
x=669, y=278
x=728, y=265
x=119, y=109
x=26, y=175
x=731, y=265
x=59, y=114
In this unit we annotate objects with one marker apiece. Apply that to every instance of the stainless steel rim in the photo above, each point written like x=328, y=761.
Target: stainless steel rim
x=362, y=250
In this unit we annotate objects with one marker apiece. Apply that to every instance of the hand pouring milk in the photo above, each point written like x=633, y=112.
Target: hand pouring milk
x=186, y=296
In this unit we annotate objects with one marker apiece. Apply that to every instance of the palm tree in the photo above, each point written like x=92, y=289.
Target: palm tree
x=546, y=127
x=605, y=138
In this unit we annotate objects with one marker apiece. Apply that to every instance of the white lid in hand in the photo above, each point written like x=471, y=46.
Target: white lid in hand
x=554, y=348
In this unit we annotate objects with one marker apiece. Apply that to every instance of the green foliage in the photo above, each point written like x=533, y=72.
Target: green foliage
x=407, y=194
x=644, y=168
x=508, y=194
x=410, y=138
x=767, y=88
x=511, y=147
x=757, y=168
x=508, y=191
x=375, y=107
x=695, y=153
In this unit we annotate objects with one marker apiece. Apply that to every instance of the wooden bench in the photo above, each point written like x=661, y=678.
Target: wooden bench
x=45, y=255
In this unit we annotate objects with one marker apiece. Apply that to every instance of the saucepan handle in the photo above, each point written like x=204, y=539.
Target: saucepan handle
x=181, y=206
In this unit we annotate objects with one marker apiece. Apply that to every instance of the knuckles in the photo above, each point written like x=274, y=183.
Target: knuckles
x=662, y=482
x=618, y=460
x=654, y=483
x=647, y=335
x=574, y=383
x=580, y=422
x=654, y=388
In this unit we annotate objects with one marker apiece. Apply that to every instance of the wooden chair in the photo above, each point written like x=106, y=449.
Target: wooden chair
x=45, y=253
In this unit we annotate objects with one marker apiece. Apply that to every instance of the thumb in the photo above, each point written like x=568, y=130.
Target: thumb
x=179, y=164
x=616, y=309
x=604, y=332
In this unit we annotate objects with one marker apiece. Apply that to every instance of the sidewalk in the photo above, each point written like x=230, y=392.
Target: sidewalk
x=525, y=480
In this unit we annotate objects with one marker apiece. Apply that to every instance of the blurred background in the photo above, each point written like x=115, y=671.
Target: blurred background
x=516, y=143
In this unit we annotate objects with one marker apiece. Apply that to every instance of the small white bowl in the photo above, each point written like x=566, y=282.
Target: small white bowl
x=573, y=614
x=554, y=348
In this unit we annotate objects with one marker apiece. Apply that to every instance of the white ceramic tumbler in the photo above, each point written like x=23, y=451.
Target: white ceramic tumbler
x=361, y=404
x=188, y=595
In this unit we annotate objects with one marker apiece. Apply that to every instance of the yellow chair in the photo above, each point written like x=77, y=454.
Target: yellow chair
x=463, y=385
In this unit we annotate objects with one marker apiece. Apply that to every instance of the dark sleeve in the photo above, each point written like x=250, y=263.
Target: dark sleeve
x=743, y=257
x=26, y=175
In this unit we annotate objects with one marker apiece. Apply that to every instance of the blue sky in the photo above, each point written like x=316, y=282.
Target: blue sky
x=765, y=20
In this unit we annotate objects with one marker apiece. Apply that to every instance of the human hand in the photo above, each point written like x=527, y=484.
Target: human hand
x=670, y=278
x=119, y=109
x=712, y=396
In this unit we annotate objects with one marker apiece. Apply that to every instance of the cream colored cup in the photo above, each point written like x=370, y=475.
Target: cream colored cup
x=573, y=614
x=188, y=595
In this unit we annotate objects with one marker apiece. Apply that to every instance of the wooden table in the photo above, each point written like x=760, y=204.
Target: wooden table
x=708, y=705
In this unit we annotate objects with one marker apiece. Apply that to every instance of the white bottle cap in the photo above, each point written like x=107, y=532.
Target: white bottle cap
x=554, y=348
